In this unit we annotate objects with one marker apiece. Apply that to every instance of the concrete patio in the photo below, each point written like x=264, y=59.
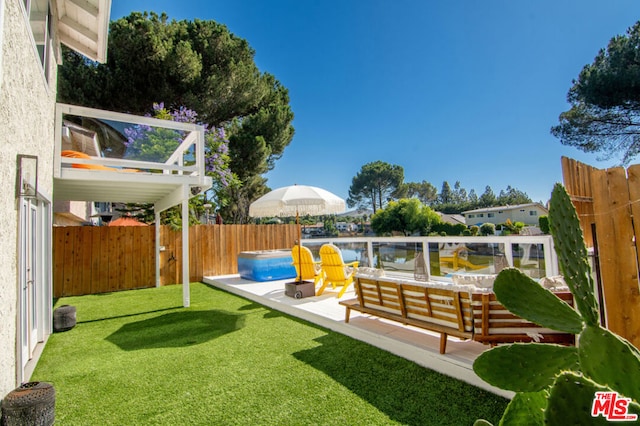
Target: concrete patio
x=417, y=345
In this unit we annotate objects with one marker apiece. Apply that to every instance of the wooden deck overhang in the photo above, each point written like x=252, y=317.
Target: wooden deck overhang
x=85, y=170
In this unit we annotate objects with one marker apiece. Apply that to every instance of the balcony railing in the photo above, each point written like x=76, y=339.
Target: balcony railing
x=93, y=139
x=444, y=256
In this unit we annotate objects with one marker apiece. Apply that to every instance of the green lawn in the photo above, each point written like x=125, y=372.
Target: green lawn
x=138, y=357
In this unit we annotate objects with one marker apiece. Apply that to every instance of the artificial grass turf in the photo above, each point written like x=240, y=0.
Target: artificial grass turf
x=138, y=357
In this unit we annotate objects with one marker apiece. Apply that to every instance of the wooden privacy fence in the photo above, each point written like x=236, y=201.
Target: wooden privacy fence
x=91, y=260
x=607, y=201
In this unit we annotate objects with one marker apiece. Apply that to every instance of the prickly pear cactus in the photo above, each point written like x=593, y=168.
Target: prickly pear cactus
x=553, y=381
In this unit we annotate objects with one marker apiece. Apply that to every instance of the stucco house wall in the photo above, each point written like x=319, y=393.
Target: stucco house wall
x=27, y=105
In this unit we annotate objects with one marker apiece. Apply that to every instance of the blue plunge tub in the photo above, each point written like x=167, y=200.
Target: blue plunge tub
x=266, y=265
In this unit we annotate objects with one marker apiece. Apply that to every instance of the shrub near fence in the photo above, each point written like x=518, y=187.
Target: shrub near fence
x=91, y=260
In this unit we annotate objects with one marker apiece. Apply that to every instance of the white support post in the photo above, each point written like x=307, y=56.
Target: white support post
x=427, y=259
x=185, y=253
x=550, y=259
x=508, y=252
x=157, y=248
x=370, y=254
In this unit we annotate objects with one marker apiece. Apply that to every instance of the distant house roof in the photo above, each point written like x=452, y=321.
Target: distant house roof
x=453, y=219
x=126, y=221
x=507, y=208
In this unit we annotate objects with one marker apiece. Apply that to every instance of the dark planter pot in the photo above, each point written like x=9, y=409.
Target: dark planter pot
x=298, y=290
x=31, y=403
x=64, y=318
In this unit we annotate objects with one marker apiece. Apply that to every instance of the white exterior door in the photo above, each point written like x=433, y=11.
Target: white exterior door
x=34, y=275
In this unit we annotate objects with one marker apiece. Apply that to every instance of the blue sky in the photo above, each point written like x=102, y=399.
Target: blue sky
x=451, y=90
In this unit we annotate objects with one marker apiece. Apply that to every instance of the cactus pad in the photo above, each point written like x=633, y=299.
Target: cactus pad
x=572, y=253
x=525, y=367
x=528, y=299
x=570, y=401
x=482, y=422
x=610, y=360
x=525, y=409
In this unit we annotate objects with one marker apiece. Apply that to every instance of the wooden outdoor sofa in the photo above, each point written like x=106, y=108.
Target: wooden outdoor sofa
x=462, y=311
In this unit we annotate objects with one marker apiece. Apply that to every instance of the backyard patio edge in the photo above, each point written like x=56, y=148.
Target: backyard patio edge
x=445, y=364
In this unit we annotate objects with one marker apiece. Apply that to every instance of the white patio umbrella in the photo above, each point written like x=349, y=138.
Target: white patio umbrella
x=296, y=200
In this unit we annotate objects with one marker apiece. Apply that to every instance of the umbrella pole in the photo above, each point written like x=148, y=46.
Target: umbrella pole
x=299, y=244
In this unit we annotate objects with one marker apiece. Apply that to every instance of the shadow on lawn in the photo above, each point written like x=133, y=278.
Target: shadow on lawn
x=403, y=390
x=176, y=329
x=128, y=315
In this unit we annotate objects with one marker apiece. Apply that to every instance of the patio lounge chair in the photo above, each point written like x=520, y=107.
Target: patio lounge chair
x=335, y=270
x=303, y=260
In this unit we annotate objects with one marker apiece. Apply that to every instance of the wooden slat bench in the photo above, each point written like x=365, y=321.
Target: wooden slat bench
x=494, y=324
x=457, y=312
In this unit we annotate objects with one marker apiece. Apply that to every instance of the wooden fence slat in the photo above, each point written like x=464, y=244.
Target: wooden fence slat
x=633, y=174
x=103, y=277
x=95, y=262
x=149, y=260
x=58, y=261
x=126, y=244
x=77, y=262
x=615, y=236
x=85, y=249
x=206, y=249
x=195, y=244
x=627, y=271
x=112, y=247
x=166, y=255
x=577, y=181
x=103, y=259
x=68, y=262
x=136, y=255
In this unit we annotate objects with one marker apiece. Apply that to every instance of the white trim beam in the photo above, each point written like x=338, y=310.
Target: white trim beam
x=172, y=199
x=78, y=47
x=85, y=6
x=184, y=146
x=75, y=27
x=127, y=118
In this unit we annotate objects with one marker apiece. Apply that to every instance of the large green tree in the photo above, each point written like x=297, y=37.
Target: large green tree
x=423, y=191
x=407, y=216
x=199, y=65
x=605, y=102
x=375, y=185
x=512, y=196
x=488, y=198
x=446, y=194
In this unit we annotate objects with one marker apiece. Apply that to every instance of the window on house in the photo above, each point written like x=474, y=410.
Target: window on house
x=480, y=214
x=533, y=213
x=490, y=215
x=470, y=216
x=39, y=12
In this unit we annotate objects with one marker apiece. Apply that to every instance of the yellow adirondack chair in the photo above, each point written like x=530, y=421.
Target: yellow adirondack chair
x=303, y=259
x=335, y=270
